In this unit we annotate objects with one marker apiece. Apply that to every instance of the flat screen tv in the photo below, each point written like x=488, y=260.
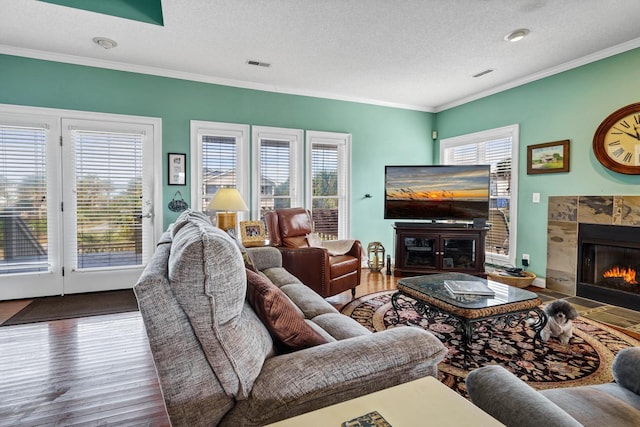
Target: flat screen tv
x=446, y=192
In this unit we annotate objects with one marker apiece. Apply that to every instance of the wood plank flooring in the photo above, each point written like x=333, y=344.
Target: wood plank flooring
x=86, y=371
x=94, y=371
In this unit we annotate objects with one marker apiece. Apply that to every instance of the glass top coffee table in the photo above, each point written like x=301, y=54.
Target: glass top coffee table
x=507, y=308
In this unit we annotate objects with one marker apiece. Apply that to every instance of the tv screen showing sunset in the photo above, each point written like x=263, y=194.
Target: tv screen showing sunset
x=437, y=192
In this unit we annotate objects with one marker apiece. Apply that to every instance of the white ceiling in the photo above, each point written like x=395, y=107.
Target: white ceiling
x=418, y=54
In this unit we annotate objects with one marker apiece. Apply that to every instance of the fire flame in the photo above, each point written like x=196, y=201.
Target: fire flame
x=628, y=274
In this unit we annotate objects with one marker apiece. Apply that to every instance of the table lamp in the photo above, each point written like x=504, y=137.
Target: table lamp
x=227, y=201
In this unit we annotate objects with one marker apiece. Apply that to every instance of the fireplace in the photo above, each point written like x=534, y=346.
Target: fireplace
x=608, y=261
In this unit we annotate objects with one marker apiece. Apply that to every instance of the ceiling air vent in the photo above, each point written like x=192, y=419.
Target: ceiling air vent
x=485, y=72
x=258, y=63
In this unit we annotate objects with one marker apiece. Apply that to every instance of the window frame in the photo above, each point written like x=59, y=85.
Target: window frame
x=513, y=132
x=296, y=143
x=240, y=132
x=344, y=174
x=29, y=285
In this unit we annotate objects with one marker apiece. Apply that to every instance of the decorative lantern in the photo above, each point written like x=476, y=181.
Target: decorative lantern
x=375, y=255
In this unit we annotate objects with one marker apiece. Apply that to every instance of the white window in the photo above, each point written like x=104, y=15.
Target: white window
x=328, y=179
x=220, y=158
x=498, y=148
x=277, y=180
x=277, y=166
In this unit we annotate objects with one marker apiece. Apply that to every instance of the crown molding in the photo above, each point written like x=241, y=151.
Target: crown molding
x=596, y=56
x=162, y=72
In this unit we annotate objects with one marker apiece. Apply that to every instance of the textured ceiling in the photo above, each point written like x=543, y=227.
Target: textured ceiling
x=418, y=54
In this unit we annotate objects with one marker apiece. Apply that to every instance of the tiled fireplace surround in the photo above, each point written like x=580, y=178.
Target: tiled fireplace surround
x=565, y=215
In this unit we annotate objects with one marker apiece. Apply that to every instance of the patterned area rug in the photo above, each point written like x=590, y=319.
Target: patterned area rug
x=585, y=360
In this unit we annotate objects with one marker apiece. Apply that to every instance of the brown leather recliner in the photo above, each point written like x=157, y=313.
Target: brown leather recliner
x=324, y=273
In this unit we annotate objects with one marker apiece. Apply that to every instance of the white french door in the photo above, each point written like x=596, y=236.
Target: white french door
x=29, y=206
x=107, y=203
x=77, y=204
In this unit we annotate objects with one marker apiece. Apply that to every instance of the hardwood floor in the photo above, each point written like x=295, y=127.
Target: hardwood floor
x=93, y=371
x=85, y=371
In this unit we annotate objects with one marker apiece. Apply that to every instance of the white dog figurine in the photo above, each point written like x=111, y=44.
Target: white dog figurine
x=560, y=314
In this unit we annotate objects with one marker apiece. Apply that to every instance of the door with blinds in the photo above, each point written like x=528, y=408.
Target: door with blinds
x=107, y=183
x=76, y=202
x=29, y=207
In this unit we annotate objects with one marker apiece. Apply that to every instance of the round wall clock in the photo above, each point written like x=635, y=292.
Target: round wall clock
x=616, y=143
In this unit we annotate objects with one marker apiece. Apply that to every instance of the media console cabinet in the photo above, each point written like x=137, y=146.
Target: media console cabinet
x=430, y=248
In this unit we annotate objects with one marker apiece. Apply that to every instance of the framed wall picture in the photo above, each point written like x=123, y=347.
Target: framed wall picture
x=252, y=232
x=550, y=157
x=177, y=168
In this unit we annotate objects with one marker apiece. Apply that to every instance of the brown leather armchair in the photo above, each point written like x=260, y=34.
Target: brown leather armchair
x=324, y=273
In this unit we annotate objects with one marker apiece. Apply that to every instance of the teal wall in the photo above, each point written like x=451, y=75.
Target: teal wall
x=380, y=135
x=570, y=105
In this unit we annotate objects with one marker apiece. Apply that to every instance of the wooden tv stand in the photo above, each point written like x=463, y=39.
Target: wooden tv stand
x=430, y=248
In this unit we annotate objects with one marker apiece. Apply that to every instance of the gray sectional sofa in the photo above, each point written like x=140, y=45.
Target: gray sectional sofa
x=514, y=403
x=217, y=362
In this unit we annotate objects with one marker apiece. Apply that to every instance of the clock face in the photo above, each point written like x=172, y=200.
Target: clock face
x=616, y=143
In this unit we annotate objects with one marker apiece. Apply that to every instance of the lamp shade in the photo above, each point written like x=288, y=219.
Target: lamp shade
x=227, y=199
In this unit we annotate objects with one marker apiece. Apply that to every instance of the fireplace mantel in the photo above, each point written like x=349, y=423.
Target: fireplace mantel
x=566, y=213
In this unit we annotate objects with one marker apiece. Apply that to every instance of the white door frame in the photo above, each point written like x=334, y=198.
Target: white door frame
x=29, y=285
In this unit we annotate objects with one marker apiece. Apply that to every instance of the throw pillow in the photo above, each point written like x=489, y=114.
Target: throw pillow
x=279, y=314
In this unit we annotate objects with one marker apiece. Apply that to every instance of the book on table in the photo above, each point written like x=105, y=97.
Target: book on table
x=468, y=287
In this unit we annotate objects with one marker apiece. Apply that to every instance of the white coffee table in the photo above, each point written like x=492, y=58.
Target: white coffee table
x=421, y=402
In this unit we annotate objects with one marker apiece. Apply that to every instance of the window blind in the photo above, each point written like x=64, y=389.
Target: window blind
x=325, y=188
x=498, y=154
x=108, y=184
x=219, y=160
x=275, y=179
x=23, y=200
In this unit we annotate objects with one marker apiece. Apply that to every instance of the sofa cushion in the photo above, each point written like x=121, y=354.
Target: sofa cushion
x=343, y=264
x=279, y=314
x=593, y=406
x=248, y=261
x=207, y=277
x=183, y=370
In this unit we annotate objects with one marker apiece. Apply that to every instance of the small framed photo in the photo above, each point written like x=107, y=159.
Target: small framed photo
x=550, y=157
x=177, y=168
x=447, y=262
x=252, y=232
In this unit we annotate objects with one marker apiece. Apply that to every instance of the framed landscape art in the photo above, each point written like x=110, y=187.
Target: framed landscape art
x=548, y=158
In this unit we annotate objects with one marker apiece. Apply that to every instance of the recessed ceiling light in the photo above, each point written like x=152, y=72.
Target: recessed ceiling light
x=517, y=35
x=105, y=42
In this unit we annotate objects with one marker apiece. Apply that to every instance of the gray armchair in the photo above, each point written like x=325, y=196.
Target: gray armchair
x=514, y=403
